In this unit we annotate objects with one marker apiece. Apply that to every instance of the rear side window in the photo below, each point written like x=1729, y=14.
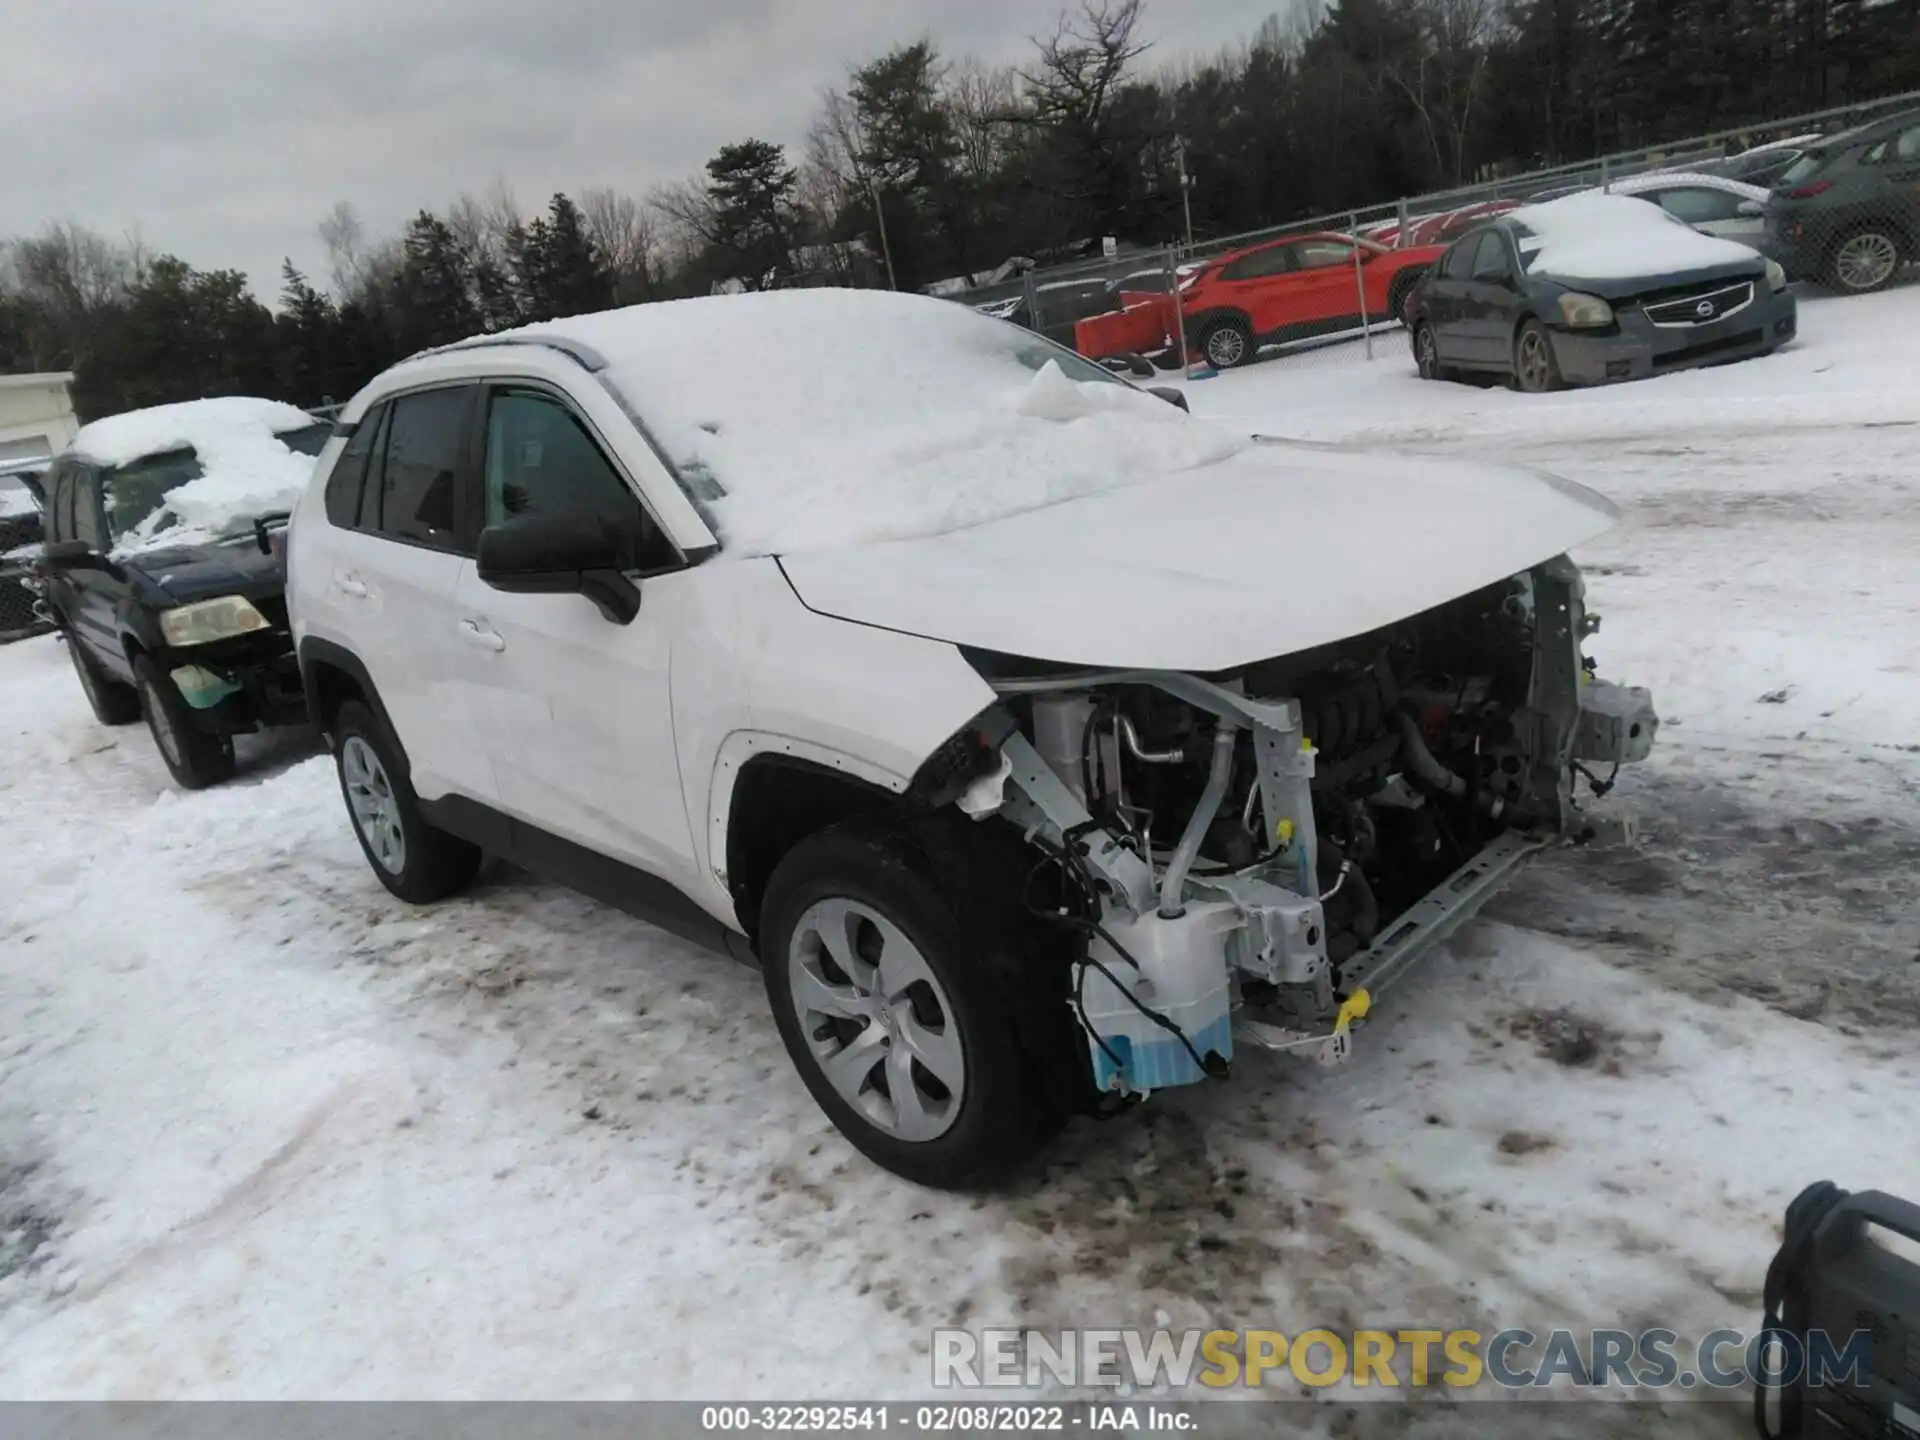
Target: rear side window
x=350, y=471
x=1490, y=257
x=1274, y=260
x=86, y=512
x=1698, y=205
x=1457, y=263
x=1805, y=168
x=419, y=476
x=1907, y=147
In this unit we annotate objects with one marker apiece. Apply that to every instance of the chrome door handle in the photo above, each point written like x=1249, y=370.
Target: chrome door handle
x=480, y=635
x=350, y=585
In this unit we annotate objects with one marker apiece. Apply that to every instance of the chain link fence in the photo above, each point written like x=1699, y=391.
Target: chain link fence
x=1834, y=196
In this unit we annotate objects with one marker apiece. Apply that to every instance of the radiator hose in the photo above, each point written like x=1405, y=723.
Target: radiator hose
x=1420, y=761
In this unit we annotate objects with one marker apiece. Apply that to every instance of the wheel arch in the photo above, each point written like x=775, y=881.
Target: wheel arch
x=780, y=793
x=331, y=675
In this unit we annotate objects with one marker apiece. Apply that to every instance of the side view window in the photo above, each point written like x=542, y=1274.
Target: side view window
x=59, y=521
x=350, y=471
x=1274, y=260
x=86, y=511
x=1697, y=205
x=1318, y=254
x=1490, y=260
x=1457, y=263
x=542, y=461
x=420, y=471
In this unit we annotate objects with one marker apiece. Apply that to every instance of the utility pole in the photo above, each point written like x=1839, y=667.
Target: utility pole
x=1186, y=188
x=880, y=214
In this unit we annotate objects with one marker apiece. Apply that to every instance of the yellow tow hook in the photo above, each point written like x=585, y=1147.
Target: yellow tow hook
x=1339, y=1045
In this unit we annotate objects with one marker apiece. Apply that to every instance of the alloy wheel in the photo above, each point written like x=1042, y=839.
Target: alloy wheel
x=1535, y=364
x=1429, y=357
x=876, y=1019
x=1226, y=347
x=1866, y=261
x=376, y=812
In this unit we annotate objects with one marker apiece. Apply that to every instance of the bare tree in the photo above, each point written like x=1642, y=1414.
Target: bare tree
x=982, y=102
x=1444, y=78
x=626, y=234
x=1084, y=61
x=345, y=239
x=485, y=225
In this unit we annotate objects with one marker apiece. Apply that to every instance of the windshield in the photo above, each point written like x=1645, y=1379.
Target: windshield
x=134, y=491
x=1804, y=168
x=308, y=439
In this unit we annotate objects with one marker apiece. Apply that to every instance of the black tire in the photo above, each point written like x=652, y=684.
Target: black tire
x=1401, y=288
x=1232, y=339
x=113, y=703
x=1536, y=370
x=194, y=757
x=1864, y=259
x=987, y=997
x=1426, y=353
x=431, y=864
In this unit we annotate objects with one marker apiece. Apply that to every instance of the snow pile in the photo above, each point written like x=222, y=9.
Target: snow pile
x=15, y=499
x=1596, y=236
x=928, y=418
x=245, y=468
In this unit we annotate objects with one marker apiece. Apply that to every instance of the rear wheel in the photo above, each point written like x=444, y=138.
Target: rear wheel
x=113, y=703
x=1534, y=368
x=413, y=859
x=1426, y=353
x=195, y=757
x=901, y=1004
x=1864, y=260
x=1228, y=343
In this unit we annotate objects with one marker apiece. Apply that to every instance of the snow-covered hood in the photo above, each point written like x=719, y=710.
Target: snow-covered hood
x=1284, y=547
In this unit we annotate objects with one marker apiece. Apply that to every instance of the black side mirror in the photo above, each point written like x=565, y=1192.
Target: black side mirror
x=70, y=555
x=563, y=555
x=1173, y=395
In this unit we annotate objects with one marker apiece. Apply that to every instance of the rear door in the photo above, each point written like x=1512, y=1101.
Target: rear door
x=1327, y=284
x=1261, y=284
x=94, y=592
x=574, y=709
x=1492, y=294
x=1446, y=292
x=404, y=523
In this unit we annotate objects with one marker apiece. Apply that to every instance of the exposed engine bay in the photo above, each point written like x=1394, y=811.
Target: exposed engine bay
x=1258, y=852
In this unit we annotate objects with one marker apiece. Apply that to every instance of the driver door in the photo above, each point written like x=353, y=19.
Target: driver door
x=573, y=708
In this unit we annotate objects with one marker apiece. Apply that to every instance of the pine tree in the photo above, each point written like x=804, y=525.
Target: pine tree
x=751, y=186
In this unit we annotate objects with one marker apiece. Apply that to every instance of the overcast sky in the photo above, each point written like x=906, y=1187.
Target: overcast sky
x=224, y=130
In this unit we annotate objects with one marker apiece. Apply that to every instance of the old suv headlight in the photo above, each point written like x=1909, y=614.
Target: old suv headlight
x=1585, y=312
x=207, y=620
x=1776, y=276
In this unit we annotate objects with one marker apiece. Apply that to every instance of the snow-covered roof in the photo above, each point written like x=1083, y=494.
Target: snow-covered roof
x=1637, y=184
x=245, y=470
x=832, y=417
x=1594, y=236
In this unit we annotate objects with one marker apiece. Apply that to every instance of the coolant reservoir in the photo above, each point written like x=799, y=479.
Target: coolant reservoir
x=1182, y=975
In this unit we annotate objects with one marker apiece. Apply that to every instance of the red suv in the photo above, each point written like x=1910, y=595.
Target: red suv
x=1294, y=289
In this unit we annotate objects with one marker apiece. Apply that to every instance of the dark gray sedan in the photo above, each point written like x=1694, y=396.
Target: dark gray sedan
x=1609, y=289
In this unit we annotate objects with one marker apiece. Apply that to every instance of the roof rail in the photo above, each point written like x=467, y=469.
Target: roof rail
x=585, y=356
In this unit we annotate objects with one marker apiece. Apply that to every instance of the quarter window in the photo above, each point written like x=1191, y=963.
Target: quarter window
x=542, y=461
x=1319, y=254
x=350, y=471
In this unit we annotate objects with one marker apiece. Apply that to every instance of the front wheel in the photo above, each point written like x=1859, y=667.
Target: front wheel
x=112, y=703
x=1865, y=260
x=195, y=757
x=1535, y=370
x=893, y=996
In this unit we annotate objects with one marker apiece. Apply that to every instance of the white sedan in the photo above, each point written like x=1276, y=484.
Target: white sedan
x=1712, y=204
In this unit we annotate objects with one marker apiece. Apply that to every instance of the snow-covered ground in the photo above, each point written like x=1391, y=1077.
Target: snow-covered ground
x=264, y=1132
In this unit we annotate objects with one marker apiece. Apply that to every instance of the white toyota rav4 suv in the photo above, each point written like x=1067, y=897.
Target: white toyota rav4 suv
x=1039, y=741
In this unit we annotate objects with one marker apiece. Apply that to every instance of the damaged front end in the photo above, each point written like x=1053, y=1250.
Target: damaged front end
x=1257, y=854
